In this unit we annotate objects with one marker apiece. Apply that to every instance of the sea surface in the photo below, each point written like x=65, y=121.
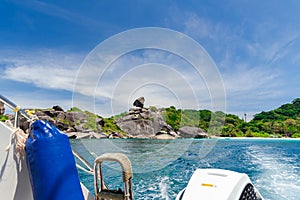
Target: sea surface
x=163, y=167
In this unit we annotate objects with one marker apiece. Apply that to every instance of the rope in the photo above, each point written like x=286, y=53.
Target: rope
x=20, y=140
x=19, y=137
x=9, y=123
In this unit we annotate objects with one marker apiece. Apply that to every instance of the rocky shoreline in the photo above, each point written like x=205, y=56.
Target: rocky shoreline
x=139, y=122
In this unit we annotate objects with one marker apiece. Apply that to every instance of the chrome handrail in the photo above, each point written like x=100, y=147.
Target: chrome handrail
x=17, y=110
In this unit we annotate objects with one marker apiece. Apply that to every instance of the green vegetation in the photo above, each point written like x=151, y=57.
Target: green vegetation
x=91, y=119
x=281, y=122
x=173, y=117
x=153, y=108
x=120, y=115
x=3, y=118
x=110, y=126
x=296, y=135
x=202, y=119
x=74, y=109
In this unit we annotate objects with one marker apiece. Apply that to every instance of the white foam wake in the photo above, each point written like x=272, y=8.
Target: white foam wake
x=279, y=176
x=163, y=185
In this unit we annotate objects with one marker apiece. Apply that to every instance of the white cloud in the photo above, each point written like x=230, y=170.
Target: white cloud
x=43, y=76
x=198, y=27
x=58, y=11
x=43, y=68
x=245, y=80
x=31, y=99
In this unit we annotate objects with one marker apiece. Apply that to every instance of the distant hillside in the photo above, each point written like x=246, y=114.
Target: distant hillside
x=284, y=112
x=280, y=122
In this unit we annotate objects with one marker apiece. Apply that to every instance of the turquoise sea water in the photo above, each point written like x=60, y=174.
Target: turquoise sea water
x=162, y=168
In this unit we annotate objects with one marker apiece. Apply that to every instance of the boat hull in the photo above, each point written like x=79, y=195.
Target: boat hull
x=14, y=178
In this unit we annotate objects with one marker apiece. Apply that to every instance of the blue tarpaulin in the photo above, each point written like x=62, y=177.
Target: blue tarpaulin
x=51, y=164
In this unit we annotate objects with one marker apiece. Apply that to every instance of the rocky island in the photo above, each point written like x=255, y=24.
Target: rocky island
x=169, y=123
x=138, y=122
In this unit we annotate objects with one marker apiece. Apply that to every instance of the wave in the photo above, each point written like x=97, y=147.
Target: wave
x=278, y=172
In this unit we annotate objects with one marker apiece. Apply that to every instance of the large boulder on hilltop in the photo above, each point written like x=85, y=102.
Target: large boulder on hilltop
x=139, y=102
x=57, y=108
x=192, y=132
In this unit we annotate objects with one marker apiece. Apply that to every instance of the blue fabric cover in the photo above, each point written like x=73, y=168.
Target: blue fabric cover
x=52, y=170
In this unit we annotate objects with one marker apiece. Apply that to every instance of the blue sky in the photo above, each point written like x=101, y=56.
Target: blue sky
x=254, y=44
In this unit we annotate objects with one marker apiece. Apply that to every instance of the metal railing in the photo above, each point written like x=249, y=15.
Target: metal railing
x=16, y=109
x=101, y=190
